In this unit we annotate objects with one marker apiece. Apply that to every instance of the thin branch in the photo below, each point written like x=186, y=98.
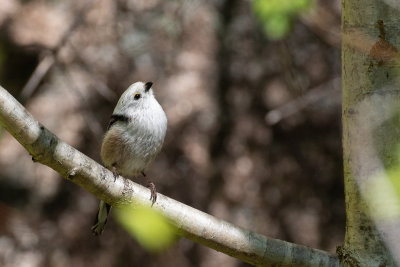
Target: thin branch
x=323, y=22
x=92, y=122
x=50, y=57
x=293, y=107
x=99, y=85
x=40, y=71
x=196, y=225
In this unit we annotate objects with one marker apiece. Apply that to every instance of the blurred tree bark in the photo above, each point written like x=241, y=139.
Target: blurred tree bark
x=370, y=113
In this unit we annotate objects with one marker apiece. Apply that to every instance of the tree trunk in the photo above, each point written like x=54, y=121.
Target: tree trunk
x=371, y=123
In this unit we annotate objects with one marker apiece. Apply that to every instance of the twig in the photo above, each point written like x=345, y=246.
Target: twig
x=93, y=124
x=276, y=115
x=99, y=85
x=41, y=69
x=196, y=225
x=50, y=58
x=324, y=24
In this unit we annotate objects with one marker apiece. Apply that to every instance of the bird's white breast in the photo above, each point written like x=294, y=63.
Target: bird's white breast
x=139, y=141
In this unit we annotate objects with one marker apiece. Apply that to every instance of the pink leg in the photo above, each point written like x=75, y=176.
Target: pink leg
x=153, y=191
x=115, y=172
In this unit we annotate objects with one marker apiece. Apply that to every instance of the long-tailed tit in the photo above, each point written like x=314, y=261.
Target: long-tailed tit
x=133, y=139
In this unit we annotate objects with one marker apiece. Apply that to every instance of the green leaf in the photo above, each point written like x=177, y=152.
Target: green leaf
x=277, y=27
x=381, y=196
x=382, y=192
x=152, y=230
x=275, y=16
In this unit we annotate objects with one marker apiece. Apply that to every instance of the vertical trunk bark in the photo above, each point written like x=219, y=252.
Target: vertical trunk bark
x=371, y=123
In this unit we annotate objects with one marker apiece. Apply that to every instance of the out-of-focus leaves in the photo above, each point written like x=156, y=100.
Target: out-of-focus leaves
x=382, y=196
x=276, y=15
x=394, y=176
x=382, y=192
x=152, y=230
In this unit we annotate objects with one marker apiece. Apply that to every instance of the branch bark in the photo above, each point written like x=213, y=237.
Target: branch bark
x=193, y=224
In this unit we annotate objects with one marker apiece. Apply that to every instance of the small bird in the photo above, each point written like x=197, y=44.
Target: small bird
x=134, y=137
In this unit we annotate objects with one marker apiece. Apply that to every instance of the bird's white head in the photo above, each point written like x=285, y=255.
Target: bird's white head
x=138, y=96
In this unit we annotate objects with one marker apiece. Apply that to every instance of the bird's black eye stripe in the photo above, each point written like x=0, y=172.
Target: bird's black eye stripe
x=137, y=96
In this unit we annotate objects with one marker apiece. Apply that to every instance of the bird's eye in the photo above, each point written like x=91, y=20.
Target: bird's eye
x=137, y=96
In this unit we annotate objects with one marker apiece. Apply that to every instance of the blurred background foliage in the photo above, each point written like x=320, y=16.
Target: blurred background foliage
x=276, y=15
x=252, y=94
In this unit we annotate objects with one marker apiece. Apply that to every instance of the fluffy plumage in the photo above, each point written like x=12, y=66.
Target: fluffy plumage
x=131, y=146
x=134, y=138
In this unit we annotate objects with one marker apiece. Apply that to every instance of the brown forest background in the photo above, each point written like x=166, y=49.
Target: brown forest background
x=218, y=77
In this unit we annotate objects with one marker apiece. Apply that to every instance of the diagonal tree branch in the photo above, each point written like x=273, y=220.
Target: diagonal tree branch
x=196, y=225
x=50, y=57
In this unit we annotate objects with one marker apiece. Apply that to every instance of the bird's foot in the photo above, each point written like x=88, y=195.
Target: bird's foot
x=115, y=172
x=153, y=193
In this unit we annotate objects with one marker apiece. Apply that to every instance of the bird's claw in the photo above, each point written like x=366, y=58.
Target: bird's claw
x=115, y=173
x=153, y=193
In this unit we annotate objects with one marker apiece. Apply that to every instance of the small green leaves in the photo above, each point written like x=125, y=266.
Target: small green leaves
x=276, y=15
x=382, y=192
x=152, y=230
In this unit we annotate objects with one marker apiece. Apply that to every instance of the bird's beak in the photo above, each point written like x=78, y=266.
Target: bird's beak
x=147, y=86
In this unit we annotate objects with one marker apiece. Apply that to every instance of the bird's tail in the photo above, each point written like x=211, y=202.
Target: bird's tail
x=101, y=218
